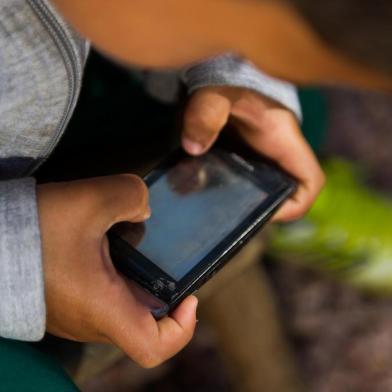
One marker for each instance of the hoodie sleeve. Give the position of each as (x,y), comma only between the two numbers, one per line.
(225,70)
(231,70)
(22,301)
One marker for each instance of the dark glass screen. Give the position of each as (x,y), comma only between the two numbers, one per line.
(195,205)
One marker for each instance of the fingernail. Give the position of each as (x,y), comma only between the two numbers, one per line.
(192,147)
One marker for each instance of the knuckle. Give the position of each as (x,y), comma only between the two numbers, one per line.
(296,214)
(133,185)
(299,213)
(131,193)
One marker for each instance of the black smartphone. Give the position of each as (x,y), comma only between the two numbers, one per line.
(203,210)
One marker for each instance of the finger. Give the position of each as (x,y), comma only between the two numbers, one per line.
(206,114)
(176,330)
(280,139)
(293,208)
(148,342)
(122,198)
(129,324)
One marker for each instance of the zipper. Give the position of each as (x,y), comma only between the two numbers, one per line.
(70,60)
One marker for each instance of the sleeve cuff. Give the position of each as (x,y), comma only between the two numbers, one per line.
(22,299)
(230,70)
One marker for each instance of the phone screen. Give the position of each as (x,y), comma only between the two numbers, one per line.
(195,205)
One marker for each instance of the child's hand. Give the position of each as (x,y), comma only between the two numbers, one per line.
(86,299)
(266,126)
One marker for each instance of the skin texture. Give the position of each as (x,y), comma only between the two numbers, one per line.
(86,299)
(269,128)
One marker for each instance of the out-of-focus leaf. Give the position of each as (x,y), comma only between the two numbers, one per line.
(348,232)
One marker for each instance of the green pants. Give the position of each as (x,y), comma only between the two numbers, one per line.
(25,369)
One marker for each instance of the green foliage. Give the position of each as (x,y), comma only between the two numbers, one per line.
(347,233)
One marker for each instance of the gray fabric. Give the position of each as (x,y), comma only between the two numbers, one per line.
(41,67)
(225,70)
(231,70)
(22,306)
(35,83)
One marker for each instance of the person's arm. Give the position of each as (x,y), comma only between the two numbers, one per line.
(266,113)
(69,256)
(233,71)
(22,302)
(224,70)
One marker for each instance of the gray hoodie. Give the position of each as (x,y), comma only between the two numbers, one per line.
(41,69)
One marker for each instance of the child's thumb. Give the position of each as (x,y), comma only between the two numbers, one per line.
(123,198)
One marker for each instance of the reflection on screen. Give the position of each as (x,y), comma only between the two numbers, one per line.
(195,205)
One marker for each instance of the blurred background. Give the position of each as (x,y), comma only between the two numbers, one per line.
(327,278)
